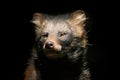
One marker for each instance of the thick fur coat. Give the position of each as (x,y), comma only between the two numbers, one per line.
(59,52)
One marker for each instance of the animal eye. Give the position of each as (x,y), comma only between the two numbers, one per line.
(62,34)
(45,34)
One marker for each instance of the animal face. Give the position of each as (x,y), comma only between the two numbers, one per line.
(60,36)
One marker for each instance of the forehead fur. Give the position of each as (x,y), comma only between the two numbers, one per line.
(57,25)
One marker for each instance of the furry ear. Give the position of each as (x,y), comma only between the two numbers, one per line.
(78,17)
(37,19)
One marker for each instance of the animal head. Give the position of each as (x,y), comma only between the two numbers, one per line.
(58,35)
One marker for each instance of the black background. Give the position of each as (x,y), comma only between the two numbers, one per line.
(18,33)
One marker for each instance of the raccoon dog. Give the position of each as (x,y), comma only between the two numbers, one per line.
(59,52)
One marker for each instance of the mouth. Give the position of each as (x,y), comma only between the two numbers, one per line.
(53,54)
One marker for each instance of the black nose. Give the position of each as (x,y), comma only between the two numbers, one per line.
(49,45)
